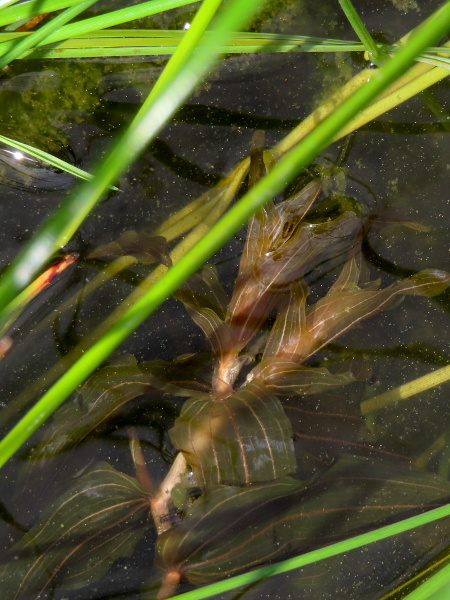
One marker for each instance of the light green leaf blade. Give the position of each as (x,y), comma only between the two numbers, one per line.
(48,158)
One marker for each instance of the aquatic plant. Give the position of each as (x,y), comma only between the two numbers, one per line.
(277,235)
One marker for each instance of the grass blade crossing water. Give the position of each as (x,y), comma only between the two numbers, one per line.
(187,68)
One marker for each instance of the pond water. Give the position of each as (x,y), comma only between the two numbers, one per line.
(394,167)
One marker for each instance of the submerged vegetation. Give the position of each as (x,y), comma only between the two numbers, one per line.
(274,452)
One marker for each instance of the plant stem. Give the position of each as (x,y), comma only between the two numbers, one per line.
(361,31)
(406,390)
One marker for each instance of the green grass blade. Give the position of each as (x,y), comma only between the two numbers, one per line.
(361,30)
(288,166)
(437,587)
(129,42)
(47,158)
(436,61)
(109,19)
(315,556)
(32,8)
(6,3)
(40,34)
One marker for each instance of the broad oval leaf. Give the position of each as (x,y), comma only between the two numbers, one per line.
(100,519)
(110,388)
(231,529)
(243,438)
(101,397)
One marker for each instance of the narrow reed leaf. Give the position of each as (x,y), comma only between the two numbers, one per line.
(361,30)
(47,158)
(300,156)
(406,390)
(5,3)
(436,61)
(40,34)
(159,42)
(433,588)
(109,19)
(32,8)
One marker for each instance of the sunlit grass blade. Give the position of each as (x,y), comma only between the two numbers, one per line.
(112,46)
(288,166)
(417,79)
(25,10)
(436,61)
(6,3)
(361,30)
(47,158)
(114,17)
(406,390)
(437,587)
(160,42)
(40,34)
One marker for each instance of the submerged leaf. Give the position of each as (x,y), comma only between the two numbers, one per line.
(243,438)
(232,529)
(100,519)
(101,397)
(105,393)
(145,248)
(206,302)
(280,249)
(286,377)
(299,333)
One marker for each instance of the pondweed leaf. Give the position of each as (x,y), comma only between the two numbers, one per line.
(280,248)
(100,519)
(301,331)
(100,399)
(104,394)
(145,248)
(206,303)
(286,377)
(231,529)
(243,438)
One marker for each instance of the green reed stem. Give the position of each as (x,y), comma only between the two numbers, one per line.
(47,158)
(26,10)
(406,390)
(432,589)
(361,31)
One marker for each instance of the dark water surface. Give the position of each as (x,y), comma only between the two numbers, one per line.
(397,165)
